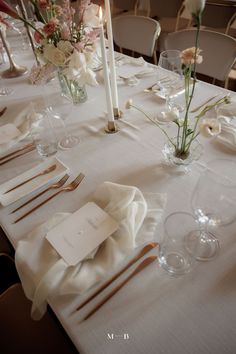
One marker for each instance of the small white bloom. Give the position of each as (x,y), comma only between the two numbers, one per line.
(78,69)
(210,127)
(171,116)
(195,7)
(90,17)
(129,103)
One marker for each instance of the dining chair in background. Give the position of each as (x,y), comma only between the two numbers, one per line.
(217,15)
(218,50)
(136,33)
(5,246)
(8,272)
(21,334)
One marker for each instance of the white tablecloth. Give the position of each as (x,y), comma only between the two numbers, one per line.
(154,313)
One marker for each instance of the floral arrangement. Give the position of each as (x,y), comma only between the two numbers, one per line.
(187,130)
(64,38)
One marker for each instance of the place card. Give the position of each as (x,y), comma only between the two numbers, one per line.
(79,234)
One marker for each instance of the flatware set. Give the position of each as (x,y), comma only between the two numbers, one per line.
(70,187)
(147,261)
(143,251)
(23,150)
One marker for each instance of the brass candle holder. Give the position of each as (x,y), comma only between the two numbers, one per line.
(117,113)
(14,70)
(111,127)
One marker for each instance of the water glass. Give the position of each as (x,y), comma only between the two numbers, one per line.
(43,134)
(174,256)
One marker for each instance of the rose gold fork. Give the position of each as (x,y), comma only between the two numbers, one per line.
(56,185)
(70,187)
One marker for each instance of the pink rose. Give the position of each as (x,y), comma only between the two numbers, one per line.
(49,28)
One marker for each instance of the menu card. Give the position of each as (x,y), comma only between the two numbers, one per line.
(80,233)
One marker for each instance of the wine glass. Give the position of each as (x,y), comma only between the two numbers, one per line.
(172,78)
(214,203)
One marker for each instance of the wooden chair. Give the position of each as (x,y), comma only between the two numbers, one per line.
(136,33)
(219,51)
(20,334)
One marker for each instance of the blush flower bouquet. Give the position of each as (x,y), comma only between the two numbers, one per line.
(189,129)
(65,38)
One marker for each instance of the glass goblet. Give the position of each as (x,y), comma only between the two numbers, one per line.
(214,203)
(172,77)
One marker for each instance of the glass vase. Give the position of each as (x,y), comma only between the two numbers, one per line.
(71,89)
(173,157)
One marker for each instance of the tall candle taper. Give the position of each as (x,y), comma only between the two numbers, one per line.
(112,60)
(111,124)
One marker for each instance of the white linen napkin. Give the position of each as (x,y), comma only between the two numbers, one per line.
(44,273)
(227,135)
(22,124)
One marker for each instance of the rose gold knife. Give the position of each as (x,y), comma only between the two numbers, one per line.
(143,251)
(138,269)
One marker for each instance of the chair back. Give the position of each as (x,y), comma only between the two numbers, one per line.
(218,50)
(169,8)
(136,33)
(217,15)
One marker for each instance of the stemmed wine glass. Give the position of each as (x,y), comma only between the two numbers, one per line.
(172,77)
(214,203)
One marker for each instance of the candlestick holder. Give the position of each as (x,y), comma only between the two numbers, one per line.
(111,128)
(14,70)
(117,113)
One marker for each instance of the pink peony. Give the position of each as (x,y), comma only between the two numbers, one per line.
(49,28)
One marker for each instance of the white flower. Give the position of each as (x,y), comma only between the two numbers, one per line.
(78,69)
(171,116)
(195,7)
(210,127)
(129,103)
(90,17)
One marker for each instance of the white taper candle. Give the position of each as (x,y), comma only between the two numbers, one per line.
(106,72)
(114,92)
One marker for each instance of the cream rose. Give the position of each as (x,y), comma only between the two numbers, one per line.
(195,7)
(54,55)
(187,56)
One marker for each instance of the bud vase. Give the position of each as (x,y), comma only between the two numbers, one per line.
(71,89)
(173,157)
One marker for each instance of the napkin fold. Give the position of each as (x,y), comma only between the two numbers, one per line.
(44,273)
(21,123)
(227,135)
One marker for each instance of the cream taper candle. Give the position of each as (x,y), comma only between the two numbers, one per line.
(114,92)
(105,71)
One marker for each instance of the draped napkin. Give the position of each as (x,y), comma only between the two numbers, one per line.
(227,117)
(21,128)
(44,273)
